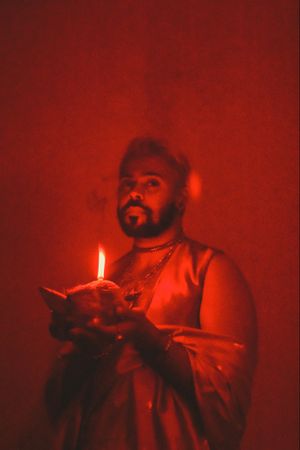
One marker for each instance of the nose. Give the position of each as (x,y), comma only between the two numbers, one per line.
(136,195)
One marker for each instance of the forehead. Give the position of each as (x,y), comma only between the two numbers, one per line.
(149,165)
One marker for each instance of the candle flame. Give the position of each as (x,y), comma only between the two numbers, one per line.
(101,264)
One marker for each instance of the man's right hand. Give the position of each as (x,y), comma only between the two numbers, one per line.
(59,326)
(63,328)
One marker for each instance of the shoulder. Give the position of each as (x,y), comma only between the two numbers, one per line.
(199,254)
(223,269)
(197,248)
(219,263)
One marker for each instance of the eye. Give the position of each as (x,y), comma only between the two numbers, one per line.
(152,183)
(126,184)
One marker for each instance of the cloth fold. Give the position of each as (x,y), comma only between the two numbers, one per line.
(222,372)
(123,403)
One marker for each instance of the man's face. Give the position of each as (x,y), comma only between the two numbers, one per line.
(147,197)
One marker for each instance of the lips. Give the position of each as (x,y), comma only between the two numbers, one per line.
(133,210)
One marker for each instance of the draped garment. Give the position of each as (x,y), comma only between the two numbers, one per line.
(120,403)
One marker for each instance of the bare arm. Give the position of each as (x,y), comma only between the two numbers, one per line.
(227,306)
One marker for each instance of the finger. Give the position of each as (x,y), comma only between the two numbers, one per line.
(117,331)
(80,333)
(127,313)
(96,326)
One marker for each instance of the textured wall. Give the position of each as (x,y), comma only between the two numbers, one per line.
(79,79)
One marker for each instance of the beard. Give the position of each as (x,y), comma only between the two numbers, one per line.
(149,228)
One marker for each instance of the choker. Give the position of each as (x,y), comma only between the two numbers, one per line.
(156,248)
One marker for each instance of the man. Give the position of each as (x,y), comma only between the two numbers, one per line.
(173,370)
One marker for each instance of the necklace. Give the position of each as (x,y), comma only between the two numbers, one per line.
(158,247)
(133,287)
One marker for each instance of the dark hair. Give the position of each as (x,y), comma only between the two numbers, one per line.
(148,146)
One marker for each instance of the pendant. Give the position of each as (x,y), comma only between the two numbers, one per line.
(132,295)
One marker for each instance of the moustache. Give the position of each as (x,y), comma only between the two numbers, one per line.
(135,203)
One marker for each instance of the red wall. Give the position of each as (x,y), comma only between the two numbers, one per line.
(79,79)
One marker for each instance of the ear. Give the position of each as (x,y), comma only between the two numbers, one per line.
(181,200)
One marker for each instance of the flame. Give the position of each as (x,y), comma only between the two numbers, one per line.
(101,264)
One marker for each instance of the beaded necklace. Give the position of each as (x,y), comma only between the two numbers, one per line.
(132,286)
(158,247)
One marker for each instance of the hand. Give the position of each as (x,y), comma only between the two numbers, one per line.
(63,328)
(60,326)
(94,336)
(132,326)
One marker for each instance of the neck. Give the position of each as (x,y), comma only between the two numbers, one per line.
(168,235)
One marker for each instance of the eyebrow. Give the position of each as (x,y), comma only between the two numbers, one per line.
(146,174)
(153,174)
